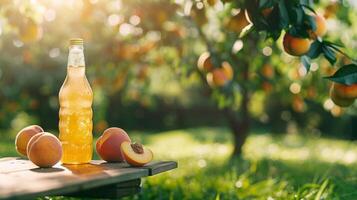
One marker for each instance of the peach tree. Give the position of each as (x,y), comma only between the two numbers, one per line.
(294,24)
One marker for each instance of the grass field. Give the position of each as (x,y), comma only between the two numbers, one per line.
(273,166)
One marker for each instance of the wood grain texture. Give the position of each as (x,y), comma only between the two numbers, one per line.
(20,179)
(157,167)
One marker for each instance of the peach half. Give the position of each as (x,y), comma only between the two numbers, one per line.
(24,136)
(135,154)
(108,145)
(44,149)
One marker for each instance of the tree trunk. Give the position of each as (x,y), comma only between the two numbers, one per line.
(240,126)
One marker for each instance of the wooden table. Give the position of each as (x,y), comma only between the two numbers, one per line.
(20,179)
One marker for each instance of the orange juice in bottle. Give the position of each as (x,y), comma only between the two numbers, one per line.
(75,114)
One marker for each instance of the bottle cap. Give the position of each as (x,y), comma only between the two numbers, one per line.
(76,41)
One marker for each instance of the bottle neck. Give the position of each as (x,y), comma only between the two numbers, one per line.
(76,56)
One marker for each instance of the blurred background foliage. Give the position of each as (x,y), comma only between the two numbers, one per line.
(141,59)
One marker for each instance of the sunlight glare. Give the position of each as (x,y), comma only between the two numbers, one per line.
(134,20)
(125,29)
(295,88)
(267,51)
(314,66)
(328,104)
(237,46)
(302,70)
(114,20)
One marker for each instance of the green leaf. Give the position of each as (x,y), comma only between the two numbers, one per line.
(265,4)
(329,54)
(297,15)
(284,16)
(305,60)
(315,49)
(309,8)
(333,44)
(346,75)
(311,22)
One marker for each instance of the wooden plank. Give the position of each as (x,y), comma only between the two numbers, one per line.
(20,179)
(107,193)
(159,167)
(33,182)
(8,165)
(112,191)
(125,184)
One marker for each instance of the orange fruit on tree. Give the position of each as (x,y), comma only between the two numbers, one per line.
(343,95)
(219,77)
(321,27)
(204,62)
(239,21)
(296,46)
(346,91)
(227,70)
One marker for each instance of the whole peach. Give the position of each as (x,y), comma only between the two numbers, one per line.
(204,62)
(219,77)
(108,145)
(23,137)
(345,91)
(44,149)
(238,22)
(321,26)
(296,46)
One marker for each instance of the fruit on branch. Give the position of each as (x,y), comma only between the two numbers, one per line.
(217,78)
(346,91)
(23,137)
(136,154)
(343,95)
(340,101)
(296,46)
(227,70)
(239,21)
(204,62)
(321,27)
(44,149)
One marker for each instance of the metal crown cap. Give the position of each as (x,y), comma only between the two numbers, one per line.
(76,41)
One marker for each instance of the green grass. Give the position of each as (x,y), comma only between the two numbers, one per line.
(273,167)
